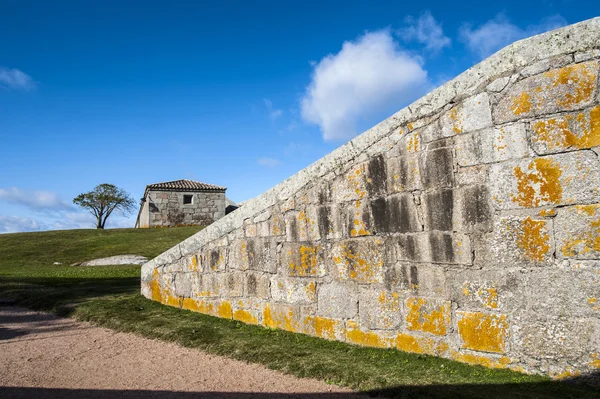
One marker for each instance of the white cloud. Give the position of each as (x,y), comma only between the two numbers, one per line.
(273,112)
(499,32)
(425,30)
(36,200)
(13,224)
(11,78)
(367,75)
(268,162)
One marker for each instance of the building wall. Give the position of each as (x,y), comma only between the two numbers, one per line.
(166,208)
(465,226)
(143,216)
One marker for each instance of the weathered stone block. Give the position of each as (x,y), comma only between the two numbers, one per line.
(578,232)
(258,254)
(376,177)
(295,226)
(573,131)
(293,290)
(428,315)
(246,316)
(472,114)
(323,327)
(233,284)
(379,309)
(492,145)
(567,339)
(516,241)
(214,259)
(338,300)
(395,214)
(433,247)
(351,186)
(358,219)
(423,279)
(330,222)
(404,174)
(276,225)
(257,285)
(575,292)
(552,180)
(488,290)
(302,260)
(282,316)
(183,284)
(359,336)
(360,259)
(563,89)
(437,168)
(472,209)
(483,332)
(438,209)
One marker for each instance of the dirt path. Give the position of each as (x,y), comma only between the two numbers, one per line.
(45,356)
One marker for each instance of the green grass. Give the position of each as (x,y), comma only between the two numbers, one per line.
(108,296)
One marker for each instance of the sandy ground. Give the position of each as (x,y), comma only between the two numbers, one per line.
(44,356)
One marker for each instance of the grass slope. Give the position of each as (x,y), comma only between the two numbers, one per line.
(108,296)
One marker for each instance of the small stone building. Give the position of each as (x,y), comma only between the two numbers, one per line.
(181,203)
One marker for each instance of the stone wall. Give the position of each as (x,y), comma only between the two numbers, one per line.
(166,208)
(467,225)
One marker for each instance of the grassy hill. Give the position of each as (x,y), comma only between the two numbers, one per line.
(29,276)
(109,296)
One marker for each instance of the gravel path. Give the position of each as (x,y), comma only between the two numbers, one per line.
(46,356)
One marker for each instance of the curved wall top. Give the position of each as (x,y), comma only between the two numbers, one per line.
(467,225)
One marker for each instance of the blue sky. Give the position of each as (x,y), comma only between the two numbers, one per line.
(240,94)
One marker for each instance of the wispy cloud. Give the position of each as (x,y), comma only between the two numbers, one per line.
(14,79)
(425,30)
(499,32)
(268,162)
(36,200)
(272,111)
(14,224)
(364,76)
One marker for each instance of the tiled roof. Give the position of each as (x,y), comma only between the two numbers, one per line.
(184,185)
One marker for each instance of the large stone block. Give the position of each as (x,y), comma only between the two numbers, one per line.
(338,300)
(564,89)
(395,214)
(572,131)
(404,174)
(282,316)
(296,226)
(357,219)
(578,232)
(561,179)
(433,247)
(483,332)
(359,259)
(295,291)
(516,241)
(575,292)
(257,285)
(379,309)
(232,284)
(303,260)
(492,145)
(437,168)
(438,208)
(472,114)
(350,186)
(259,254)
(428,315)
(488,290)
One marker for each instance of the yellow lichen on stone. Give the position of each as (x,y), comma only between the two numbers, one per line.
(587,240)
(323,327)
(356,336)
(357,265)
(427,317)
(456,122)
(283,320)
(224,310)
(581,76)
(539,184)
(308,262)
(412,144)
(245,316)
(521,104)
(560,132)
(421,345)
(595,363)
(484,361)
(533,239)
(483,332)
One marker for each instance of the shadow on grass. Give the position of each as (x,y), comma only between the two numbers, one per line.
(62,295)
(466,391)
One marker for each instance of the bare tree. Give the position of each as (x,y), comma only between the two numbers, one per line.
(103,200)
